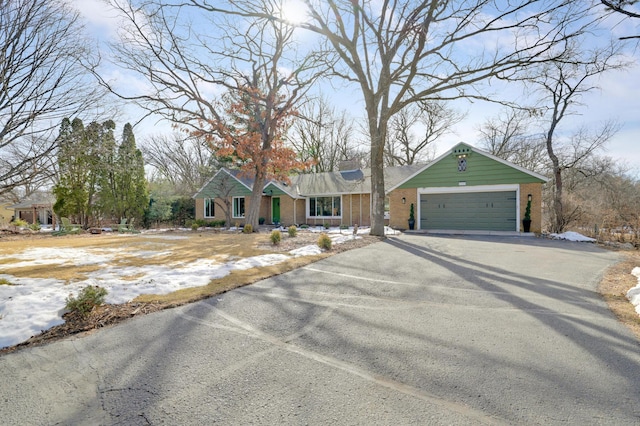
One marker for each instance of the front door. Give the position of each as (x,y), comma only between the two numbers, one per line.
(275,210)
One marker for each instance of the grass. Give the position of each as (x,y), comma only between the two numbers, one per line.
(4,281)
(134,251)
(614,286)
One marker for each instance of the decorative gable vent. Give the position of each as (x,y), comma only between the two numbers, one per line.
(461,152)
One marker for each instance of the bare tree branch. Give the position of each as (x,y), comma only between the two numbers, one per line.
(42,81)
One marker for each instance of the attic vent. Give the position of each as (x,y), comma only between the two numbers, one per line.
(461,152)
(349,165)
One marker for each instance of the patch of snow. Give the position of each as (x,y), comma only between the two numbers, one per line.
(32,305)
(572,236)
(634,293)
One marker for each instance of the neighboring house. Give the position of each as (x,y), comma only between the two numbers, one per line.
(464,189)
(6,212)
(36,209)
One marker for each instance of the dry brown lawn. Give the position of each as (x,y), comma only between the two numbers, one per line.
(172,247)
(191,246)
(614,286)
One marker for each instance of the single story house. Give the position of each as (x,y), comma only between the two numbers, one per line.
(464,189)
(35,209)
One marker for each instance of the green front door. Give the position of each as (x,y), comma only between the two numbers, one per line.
(275,210)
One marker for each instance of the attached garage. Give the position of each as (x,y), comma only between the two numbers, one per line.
(467,189)
(477,211)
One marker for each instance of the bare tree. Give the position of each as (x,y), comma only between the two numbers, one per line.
(627,8)
(431,120)
(188,68)
(185,162)
(624,7)
(562,84)
(400,52)
(510,136)
(323,136)
(43,81)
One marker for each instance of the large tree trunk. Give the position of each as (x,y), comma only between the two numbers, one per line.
(253,214)
(377,181)
(557,221)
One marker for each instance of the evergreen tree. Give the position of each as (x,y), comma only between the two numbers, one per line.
(72,191)
(131,196)
(97,179)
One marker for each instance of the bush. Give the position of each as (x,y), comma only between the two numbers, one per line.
(4,281)
(305,226)
(292,230)
(326,225)
(276,237)
(261,221)
(343,227)
(248,229)
(324,242)
(194,226)
(34,226)
(88,297)
(19,223)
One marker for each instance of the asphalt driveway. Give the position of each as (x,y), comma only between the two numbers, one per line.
(414,330)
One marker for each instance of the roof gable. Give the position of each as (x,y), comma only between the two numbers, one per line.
(278,188)
(482,168)
(225,183)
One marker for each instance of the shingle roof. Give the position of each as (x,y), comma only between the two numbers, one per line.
(348,182)
(40,200)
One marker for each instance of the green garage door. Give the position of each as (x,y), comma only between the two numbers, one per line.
(482,211)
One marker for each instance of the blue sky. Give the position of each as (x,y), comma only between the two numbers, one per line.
(618,97)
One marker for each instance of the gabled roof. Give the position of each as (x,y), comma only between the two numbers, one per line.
(463,147)
(36,200)
(234,174)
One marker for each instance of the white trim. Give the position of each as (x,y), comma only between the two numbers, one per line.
(204,207)
(308,207)
(469,189)
(214,176)
(477,188)
(473,149)
(233,207)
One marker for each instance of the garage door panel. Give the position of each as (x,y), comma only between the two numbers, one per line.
(469,211)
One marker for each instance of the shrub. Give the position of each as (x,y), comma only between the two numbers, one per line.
(4,281)
(326,225)
(305,226)
(276,237)
(19,223)
(343,227)
(292,230)
(34,226)
(261,221)
(247,228)
(88,297)
(194,226)
(324,242)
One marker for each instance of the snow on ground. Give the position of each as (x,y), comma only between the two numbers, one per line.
(31,305)
(572,236)
(634,294)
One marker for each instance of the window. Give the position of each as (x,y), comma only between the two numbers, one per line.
(462,164)
(325,206)
(387,208)
(209,208)
(238,206)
